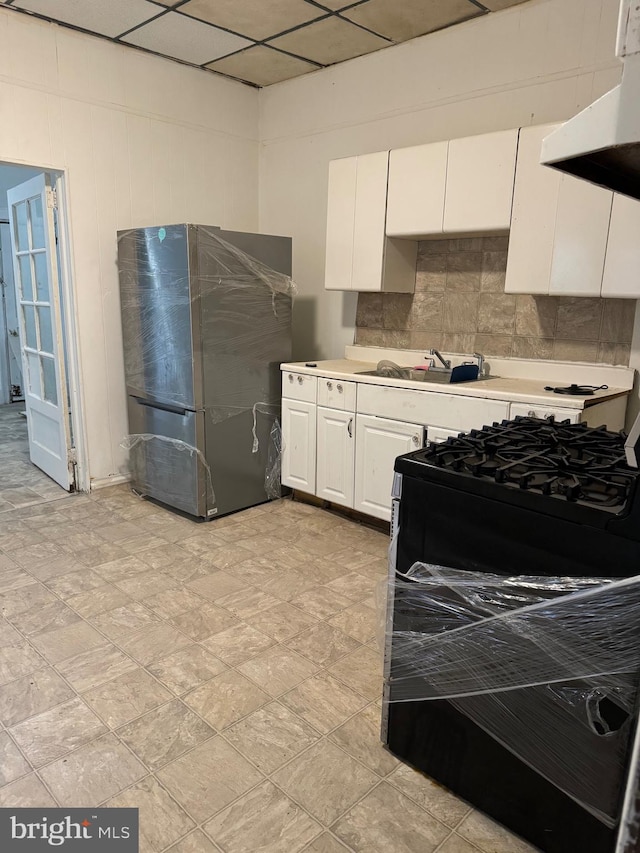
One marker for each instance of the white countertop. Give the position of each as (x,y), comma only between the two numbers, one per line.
(526,389)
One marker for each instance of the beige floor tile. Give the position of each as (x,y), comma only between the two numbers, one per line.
(75,583)
(172,602)
(373,824)
(229,555)
(217,584)
(358,621)
(18,659)
(121,569)
(46,617)
(32,695)
(238,644)
(126,697)
(139,543)
(124,621)
(146,584)
(323,644)
(31,556)
(350,559)
(49,570)
(321,602)
(286,584)
(326,570)
(271,736)
(318,544)
(278,670)
(154,643)
(55,732)
(326,843)
(353,585)
(95,667)
(164,734)
(491,837)
(361,670)
(28,792)
(103,598)
(324,702)
(325,781)
(93,773)
(204,620)
(282,621)
(161,820)
(226,699)
(164,556)
(118,532)
(246,603)
(97,555)
(66,642)
(431,796)
(264,819)
(209,778)
(13,578)
(196,842)
(456,844)
(13,765)
(187,668)
(25,597)
(360,737)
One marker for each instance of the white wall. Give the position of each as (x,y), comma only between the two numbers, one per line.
(535,63)
(142,141)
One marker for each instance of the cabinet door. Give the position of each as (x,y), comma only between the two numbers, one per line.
(299,445)
(415,197)
(369,221)
(341,207)
(378,443)
(580,238)
(622,262)
(535,201)
(335,456)
(480,177)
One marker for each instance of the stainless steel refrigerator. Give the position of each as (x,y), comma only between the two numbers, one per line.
(206,321)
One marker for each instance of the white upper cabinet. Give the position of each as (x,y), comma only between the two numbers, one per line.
(580,238)
(622,263)
(533,219)
(480,176)
(417,180)
(358,254)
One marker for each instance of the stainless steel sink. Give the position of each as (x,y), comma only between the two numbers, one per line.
(408,374)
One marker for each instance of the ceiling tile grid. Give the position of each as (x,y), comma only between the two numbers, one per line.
(259,41)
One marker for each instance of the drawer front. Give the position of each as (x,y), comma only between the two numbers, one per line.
(336,394)
(529,410)
(438,434)
(425,407)
(299,386)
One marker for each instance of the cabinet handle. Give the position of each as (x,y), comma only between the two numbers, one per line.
(340,389)
(416,439)
(350,427)
(300,380)
(330,386)
(531,414)
(291,377)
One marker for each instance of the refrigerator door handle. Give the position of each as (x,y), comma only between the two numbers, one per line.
(177,410)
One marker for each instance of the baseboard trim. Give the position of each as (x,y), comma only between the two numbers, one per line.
(115,480)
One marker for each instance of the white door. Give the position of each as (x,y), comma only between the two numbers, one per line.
(335,456)
(378,442)
(299,445)
(40,325)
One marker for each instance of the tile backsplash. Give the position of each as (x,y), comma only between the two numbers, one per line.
(459,305)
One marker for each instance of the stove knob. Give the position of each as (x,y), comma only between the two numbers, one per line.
(531,414)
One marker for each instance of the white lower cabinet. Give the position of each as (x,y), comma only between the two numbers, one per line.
(378,442)
(299,445)
(439,434)
(335,456)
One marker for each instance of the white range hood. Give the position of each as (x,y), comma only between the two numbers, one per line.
(602,143)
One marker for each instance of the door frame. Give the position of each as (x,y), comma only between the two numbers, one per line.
(70,321)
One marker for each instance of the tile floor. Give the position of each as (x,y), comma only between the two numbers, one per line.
(224,678)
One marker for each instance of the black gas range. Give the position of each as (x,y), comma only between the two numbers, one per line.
(511,519)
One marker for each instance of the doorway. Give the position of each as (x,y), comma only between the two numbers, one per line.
(40,422)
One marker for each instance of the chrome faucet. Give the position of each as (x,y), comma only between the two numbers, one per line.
(445,363)
(480,358)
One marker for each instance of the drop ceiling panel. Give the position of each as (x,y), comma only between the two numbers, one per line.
(330,40)
(254,18)
(109,18)
(410,18)
(185,38)
(262,65)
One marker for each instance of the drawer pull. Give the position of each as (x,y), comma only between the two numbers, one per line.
(340,389)
(350,427)
(330,386)
(291,377)
(300,380)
